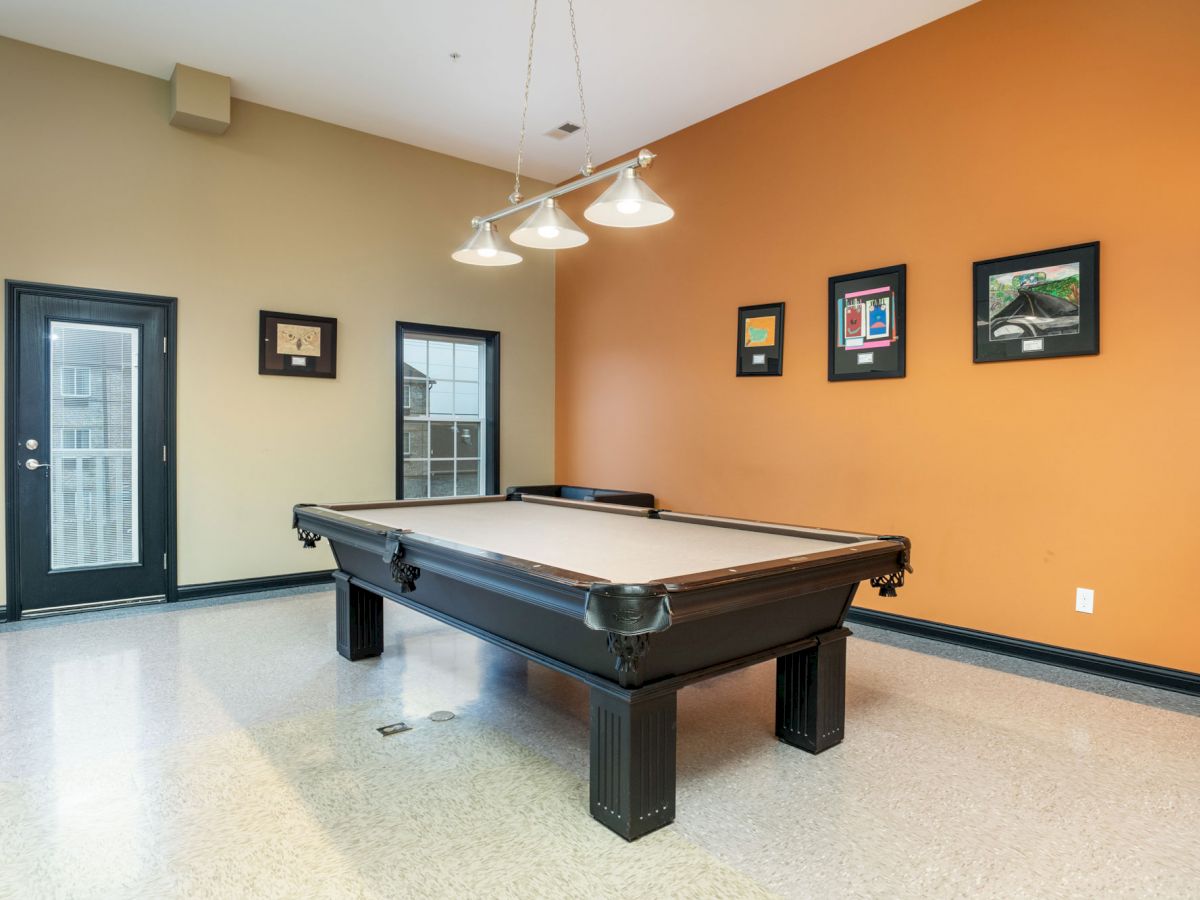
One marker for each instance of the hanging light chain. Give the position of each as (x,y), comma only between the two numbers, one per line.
(516,197)
(587,134)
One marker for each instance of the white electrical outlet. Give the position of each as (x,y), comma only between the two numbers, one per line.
(1084,600)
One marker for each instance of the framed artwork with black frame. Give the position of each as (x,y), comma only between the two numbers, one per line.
(1036,305)
(867,336)
(760,339)
(294,344)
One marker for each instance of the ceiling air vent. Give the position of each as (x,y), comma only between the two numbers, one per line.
(563,131)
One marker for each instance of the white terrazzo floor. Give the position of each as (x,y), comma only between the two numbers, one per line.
(228,751)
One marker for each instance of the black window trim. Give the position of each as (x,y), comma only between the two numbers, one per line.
(491,344)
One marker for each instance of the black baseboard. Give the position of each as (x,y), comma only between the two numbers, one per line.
(253,585)
(1094,663)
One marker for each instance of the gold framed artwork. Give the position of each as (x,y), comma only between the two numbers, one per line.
(294,344)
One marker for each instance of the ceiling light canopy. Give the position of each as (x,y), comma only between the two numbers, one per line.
(549,228)
(486,248)
(627,203)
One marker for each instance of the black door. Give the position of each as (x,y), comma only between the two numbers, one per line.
(90,483)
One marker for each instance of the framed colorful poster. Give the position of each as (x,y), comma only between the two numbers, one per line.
(1035,305)
(291,344)
(760,339)
(866,325)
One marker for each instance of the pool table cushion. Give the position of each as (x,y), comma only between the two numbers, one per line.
(623,545)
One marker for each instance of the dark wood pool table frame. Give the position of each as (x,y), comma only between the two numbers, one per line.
(634,645)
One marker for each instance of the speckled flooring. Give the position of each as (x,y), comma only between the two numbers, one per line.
(226,750)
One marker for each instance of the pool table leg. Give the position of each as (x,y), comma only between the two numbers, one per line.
(359,619)
(810,694)
(632,761)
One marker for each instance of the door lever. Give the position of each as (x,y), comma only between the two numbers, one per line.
(33,465)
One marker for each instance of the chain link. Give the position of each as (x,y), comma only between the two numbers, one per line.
(587,134)
(516,194)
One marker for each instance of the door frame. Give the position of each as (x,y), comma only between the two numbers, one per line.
(11,369)
(491,415)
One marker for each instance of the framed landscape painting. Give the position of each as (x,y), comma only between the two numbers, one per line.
(866,324)
(760,339)
(1035,305)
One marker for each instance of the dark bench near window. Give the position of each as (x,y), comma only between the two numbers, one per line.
(575,492)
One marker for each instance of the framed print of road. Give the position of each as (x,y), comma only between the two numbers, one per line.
(293,344)
(760,339)
(866,324)
(1035,305)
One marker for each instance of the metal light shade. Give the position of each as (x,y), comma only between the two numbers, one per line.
(486,248)
(628,203)
(549,228)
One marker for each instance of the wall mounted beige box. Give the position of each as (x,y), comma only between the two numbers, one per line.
(280,212)
(200,100)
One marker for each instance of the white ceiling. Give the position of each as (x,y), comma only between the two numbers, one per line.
(384,66)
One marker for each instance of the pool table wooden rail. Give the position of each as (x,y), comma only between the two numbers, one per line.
(612,606)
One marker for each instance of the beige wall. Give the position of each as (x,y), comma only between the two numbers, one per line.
(285,213)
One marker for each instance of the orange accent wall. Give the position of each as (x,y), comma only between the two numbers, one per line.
(1011,126)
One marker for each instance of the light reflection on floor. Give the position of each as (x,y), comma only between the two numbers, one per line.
(229,751)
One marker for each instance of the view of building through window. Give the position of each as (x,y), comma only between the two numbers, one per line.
(94,391)
(444,395)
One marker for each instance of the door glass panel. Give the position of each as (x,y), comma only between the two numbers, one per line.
(94,390)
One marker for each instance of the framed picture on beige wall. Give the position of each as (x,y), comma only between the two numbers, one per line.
(294,344)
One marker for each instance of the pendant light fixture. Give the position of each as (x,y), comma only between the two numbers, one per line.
(549,229)
(486,248)
(627,203)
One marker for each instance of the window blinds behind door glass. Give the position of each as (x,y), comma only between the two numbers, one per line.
(94,498)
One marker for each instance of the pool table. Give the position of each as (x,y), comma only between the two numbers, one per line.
(634,602)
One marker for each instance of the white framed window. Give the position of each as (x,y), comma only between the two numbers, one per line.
(75,382)
(76,439)
(449,415)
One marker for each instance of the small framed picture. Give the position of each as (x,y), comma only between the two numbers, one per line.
(1035,305)
(760,339)
(866,324)
(292,344)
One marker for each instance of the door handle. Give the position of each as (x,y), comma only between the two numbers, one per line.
(33,465)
